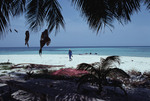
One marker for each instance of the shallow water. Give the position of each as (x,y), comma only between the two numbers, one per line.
(137,51)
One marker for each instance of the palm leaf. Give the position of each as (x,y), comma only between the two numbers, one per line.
(84,66)
(3,22)
(95,12)
(35,14)
(87,67)
(18,7)
(4,16)
(87,78)
(44,10)
(147,2)
(117,72)
(101,13)
(54,17)
(105,63)
(113,59)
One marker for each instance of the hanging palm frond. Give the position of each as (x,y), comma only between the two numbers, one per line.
(98,13)
(95,12)
(40,10)
(35,14)
(4,15)
(18,7)
(147,2)
(54,17)
(101,13)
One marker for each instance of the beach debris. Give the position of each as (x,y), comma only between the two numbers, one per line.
(29,74)
(27,38)
(138,90)
(70,72)
(31,65)
(60,89)
(44,71)
(5,65)
(44,40)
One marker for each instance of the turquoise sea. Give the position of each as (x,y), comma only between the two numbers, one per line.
(138,51)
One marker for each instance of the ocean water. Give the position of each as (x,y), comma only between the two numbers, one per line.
(137,51)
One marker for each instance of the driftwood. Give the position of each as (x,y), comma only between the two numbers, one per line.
(37,66)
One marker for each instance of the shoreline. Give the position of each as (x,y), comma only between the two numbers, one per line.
(77,54)
(141,64)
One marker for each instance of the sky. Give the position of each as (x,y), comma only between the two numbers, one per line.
(78,33)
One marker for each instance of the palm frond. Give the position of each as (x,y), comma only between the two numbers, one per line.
(35,14)
(95,12)
(123,9)
(4,15)
(84,66)
(54,17)
(87,78)
(117,72)
(87,67)
(105,63)
(98,75)
(101,13)
(18,7)
(3,23)
(44,10)
(147,2)
(113,59)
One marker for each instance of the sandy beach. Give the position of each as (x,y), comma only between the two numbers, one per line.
(59,90)
(127,63)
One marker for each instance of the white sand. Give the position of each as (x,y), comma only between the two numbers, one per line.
(127,63)
(139,63)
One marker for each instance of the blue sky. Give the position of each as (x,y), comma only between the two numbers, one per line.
(78,33)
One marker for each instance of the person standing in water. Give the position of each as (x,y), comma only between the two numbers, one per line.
(27,38)
(70,54)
